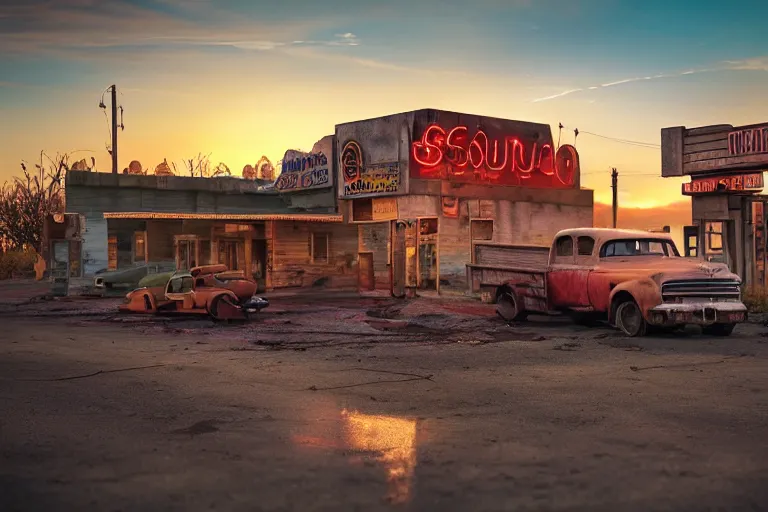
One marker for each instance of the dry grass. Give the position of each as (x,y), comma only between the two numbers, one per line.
(756,299)
(17,264)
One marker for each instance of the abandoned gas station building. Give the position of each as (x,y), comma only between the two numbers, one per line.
(726,165)
(284,235)
(433,191)
(398,204)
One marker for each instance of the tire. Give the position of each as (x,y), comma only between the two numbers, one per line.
(630,319)
(214,309)
(719,329)
(508,307)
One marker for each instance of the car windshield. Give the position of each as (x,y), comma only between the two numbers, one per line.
(182,284)
(639,247)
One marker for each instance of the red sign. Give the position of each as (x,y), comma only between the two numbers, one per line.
(461,155)
(718,184)
(748,142)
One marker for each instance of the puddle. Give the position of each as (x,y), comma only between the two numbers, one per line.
(388,441)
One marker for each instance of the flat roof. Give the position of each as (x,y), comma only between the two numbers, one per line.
(225,216)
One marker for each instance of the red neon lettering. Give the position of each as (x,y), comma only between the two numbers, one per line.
(477,158)
(547,166)
(460,156)
(485,156)
(428,152)
(525,172)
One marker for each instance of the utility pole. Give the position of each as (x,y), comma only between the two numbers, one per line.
(614,186)
(114,129)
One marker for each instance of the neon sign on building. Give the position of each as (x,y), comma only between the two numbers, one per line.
(456,154)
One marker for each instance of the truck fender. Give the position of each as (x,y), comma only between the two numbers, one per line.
(645,292)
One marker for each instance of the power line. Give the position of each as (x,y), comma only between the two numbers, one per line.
(636,143)
(593,173)
(625,141)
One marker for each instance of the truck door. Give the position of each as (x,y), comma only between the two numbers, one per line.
(585,248)
(563,277)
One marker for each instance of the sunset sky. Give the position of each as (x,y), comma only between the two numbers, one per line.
(239,78)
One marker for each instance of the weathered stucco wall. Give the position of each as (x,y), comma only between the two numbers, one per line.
(384,140)
(375,238)
(292,263)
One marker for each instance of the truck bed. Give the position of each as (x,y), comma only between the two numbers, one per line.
(496,264)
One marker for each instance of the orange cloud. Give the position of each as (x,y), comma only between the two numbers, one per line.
(674,214)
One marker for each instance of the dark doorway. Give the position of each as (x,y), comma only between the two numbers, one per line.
(365,269)
(259,264)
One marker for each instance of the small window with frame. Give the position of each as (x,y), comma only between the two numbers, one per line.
(482,230)
(139,246)
(585,245)
(362,210)
(714,237)
(319,244)
(564,247)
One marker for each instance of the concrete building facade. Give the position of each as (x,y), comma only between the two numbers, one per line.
(426,189)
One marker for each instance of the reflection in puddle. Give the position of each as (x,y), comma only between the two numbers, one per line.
(388,440)
(393,443)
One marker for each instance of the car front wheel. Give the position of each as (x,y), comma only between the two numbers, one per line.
(630,319)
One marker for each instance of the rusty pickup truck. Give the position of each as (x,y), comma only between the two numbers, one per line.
(632,279)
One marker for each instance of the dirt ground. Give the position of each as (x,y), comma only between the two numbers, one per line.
(348,403)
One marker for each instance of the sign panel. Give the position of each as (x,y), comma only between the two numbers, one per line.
(692,151)
(362,180)
(723,184)
(747,142)
(304,171)
(384,208)
(500,153)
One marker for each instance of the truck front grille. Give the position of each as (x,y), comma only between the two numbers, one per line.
(714,289)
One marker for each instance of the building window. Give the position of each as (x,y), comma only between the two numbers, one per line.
(482,230)
(714,235)
(564,246)
(112,253)
(585,245)
(362,210)
(319,247)
(139,246)
(428,226)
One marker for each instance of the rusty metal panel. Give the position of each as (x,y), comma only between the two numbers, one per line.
(95,254)
(710,207)
(511,256)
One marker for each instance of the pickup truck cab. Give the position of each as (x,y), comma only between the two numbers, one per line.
(632,279)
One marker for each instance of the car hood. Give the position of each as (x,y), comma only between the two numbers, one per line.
(665,269)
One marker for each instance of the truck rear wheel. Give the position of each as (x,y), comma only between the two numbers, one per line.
(509,307)
(630,319)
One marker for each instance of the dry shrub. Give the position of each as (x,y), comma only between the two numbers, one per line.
(17,264)
(756,299)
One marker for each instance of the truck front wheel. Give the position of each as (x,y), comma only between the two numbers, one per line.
(509,307)
(630,319)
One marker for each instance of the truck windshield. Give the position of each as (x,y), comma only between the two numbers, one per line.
(639,247)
